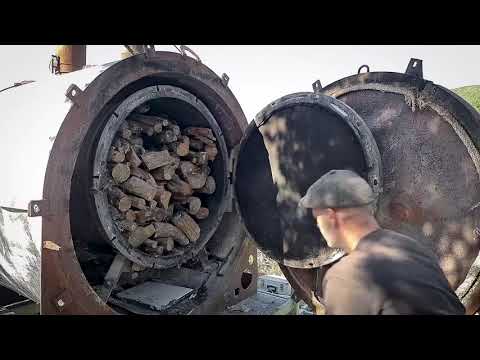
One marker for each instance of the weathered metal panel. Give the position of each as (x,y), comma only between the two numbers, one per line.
(31,117)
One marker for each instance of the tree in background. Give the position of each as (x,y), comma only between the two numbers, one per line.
(470,94)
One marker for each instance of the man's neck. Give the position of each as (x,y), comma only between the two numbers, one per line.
(356,232)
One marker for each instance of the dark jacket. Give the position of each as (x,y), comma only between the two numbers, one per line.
(389,273)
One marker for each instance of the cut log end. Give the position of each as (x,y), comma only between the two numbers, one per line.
(209,187)
(187,225)
(133,158)
(140,188)
(141,234)
(121,173)
(156,159)
(166,230)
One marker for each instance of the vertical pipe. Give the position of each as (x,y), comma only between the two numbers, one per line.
(72,57)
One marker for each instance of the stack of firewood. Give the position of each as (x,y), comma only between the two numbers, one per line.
(160,178)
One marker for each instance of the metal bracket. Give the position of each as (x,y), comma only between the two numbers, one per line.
(148,50)
(112,276)
(363,66)
(74,94)
(38,208)
(54,65)
(183,49)
(317,87)
(415,68)
(225,79)
(62,300)
(231,168)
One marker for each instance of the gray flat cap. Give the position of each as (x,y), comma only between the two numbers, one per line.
(338,189)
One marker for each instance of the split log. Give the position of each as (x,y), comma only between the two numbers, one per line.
(143,217)
(165,173)
(202,213)
(149,215)
(177,185)
(140,188)
(165,230)
(138,203)
(194,175)
(181,147)
(163,196)
(211,151)
(156,159)
(196,144)
(165,137)
(133,158)
(209,187)
(194,205)
(126,225)
(130,215)
(204,140)
(121,173)
(144,175)
(167,243)
(199,131)
(117,156)
(197,158)
(151,121)
(119,199)
(187,225)
(141,234)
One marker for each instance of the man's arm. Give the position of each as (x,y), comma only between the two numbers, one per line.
(348,297)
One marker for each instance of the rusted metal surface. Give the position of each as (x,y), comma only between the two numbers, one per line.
(188,111)
(65,289)
(293,142)
(28,132)
(428,139)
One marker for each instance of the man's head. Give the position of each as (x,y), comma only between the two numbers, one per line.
(342,204)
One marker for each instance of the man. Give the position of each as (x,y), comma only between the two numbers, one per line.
(384,272)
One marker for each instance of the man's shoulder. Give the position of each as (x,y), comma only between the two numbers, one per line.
(349,268)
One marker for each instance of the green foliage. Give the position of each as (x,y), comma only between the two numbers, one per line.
(471,94)
(267,266)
